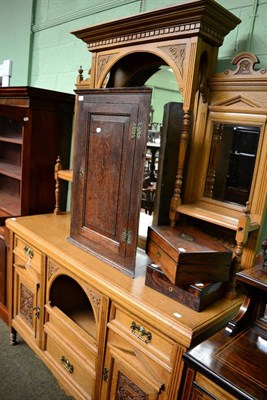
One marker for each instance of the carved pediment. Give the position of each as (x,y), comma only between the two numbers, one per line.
(238,102)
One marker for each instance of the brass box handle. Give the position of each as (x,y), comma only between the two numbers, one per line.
(140,332)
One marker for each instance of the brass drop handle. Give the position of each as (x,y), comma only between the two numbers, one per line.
(140,332)
(66,364)
(29,252)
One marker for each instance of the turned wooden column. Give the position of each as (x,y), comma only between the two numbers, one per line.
(215,151)
(176,199)
(58,167)
(241,239)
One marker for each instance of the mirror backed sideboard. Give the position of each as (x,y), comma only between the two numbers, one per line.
(78,292)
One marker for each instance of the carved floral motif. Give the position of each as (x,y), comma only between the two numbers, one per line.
(177,53)
(245,65)
(52,269)
(126,389)
(95,299)
(26,303)
(102,62)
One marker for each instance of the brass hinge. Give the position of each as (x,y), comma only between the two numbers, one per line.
(105,374)
(136,130)
(126,237)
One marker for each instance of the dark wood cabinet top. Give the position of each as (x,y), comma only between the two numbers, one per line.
(235,358)
(33,92)
(237,364)
(256,277)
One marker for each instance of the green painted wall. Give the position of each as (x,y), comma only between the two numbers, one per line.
(249,35)
(15,37)
(47,55)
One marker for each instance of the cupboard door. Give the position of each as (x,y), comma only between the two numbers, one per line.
(26,304)
(123,380)
(108,167)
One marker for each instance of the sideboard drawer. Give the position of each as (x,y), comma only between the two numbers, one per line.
(63,356)
(26,254)
(144,335)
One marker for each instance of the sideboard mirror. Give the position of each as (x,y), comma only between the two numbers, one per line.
(231,162)
(225,177)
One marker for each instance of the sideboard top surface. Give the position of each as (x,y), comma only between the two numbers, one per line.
(49,233)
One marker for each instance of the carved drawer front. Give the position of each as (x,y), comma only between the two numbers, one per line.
(67,360)
(149,338)
(28,257)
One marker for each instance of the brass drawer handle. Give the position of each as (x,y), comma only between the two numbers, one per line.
(29,252)
(140,332)
(66,364)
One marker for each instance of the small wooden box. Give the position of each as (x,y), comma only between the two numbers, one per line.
(186,255)
(194,296)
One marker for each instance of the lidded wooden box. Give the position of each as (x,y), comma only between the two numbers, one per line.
(196,295)
(186,255)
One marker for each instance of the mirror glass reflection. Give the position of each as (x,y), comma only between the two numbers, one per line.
(232,161)
(165,90)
